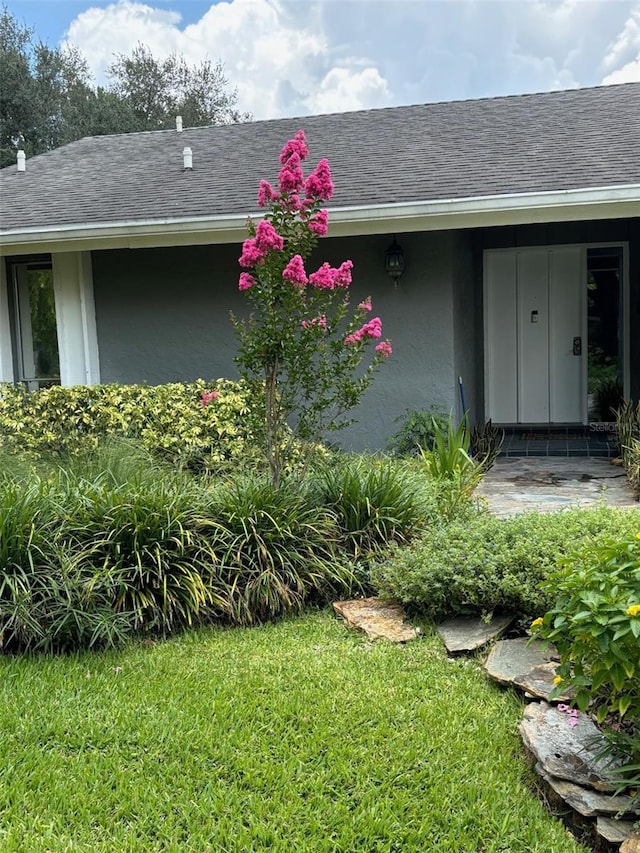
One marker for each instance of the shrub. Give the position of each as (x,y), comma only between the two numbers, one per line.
(449,463)
(483,563)
(48,600)
(169,420)
(142,541)
(595,625)
(375,501)
(274,550)
(418,429)
(486,443)
(628,430)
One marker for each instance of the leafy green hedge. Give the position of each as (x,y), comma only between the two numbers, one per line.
(485,563)
(168,419)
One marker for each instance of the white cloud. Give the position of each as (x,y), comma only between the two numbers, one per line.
(350,89)
(288,57)
(623,57)
(100,33)
(279,65)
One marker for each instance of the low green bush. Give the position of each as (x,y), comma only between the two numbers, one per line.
(88,559)
(376,501)
(274,551)
(595,625)
(417,429)
(449,464)
(49,599)
(169,420)
(142,541)
(482,563)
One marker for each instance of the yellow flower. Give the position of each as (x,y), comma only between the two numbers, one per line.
(536,622)
(634,610)
(637,535)
(558,680)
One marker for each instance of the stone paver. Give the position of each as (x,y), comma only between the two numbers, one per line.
(565,751)
(550,483)
(465,634)
(378,618)
(527,664)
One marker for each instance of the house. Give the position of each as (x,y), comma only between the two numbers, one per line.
(518,218)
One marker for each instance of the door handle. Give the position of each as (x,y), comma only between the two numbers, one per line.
(577,346)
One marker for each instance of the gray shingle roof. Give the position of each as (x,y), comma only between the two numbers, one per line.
(526,143)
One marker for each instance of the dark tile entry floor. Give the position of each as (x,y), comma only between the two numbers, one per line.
(545,440)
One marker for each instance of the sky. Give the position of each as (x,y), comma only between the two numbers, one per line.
(297,57)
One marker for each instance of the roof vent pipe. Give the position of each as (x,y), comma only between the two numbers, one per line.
(179,124)
(187,158)
(22,161)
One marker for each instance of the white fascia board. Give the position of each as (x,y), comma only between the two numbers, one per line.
(441,214)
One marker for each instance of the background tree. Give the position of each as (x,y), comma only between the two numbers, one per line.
(48,98)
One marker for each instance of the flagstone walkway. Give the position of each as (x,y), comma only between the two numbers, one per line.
(550,483)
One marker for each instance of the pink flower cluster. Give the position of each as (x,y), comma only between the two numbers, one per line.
(372,329)
(294,272)
(266,193)
(208,397)
(328,278)
(384,349)
(297,145)
(291,177)
(255,249)
(573,714)
(365,305)
(319,322)
(319,223)
(319,184)
(246,281)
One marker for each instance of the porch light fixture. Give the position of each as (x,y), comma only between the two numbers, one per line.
(394,261)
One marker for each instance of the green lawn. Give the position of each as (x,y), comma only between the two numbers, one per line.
(299,736)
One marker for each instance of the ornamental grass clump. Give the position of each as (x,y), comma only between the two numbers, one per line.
(275,551)
(376,502)
(299,339)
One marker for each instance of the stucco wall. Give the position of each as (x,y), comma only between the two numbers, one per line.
(163,315)
(467,308)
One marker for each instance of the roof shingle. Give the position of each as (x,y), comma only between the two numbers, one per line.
(573,139)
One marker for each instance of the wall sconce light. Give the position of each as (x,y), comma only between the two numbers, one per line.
(394,261)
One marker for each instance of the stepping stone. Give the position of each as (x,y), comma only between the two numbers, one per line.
(617,832)
(527,664)
(379,619)
(631,845)
(585,801)
(465,634)
(565,751)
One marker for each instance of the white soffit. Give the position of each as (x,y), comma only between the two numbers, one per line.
(485,211)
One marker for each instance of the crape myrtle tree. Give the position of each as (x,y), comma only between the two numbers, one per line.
(316,361)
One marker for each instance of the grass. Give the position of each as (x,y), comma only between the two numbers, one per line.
(297,736)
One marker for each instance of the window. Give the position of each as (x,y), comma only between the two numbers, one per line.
(33,322)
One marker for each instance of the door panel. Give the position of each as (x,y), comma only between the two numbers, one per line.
(502,377)
(566,390)
(535,313)
(533,337)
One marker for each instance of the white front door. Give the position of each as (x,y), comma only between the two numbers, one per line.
(535,335)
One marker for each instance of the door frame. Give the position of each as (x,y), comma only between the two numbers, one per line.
(626,313)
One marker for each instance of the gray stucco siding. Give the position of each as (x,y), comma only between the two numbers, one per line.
(163,315)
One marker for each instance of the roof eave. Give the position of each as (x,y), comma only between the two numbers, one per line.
(436,215)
